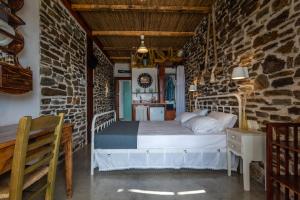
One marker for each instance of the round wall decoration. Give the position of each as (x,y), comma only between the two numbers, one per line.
(144,80)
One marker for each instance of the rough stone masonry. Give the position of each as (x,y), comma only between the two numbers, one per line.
(103,78)
(262,35)
(63,70)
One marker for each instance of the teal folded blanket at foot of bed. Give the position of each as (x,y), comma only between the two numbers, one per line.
(120,135)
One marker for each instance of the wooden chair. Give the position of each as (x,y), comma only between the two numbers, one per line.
(34,158)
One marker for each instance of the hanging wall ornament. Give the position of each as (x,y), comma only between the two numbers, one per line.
(212,76)
(202,79)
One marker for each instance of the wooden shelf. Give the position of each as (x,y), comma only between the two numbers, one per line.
(15,79)
(10,18)
(6,50)
(145,93)
(291,182)
(287,145)
(14,37)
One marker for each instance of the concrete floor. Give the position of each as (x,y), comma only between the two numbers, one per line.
(161,184)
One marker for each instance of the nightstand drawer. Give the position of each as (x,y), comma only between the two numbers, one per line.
(234,146)
(234,137)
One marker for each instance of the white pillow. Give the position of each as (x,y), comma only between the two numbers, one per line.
(189,123)
(203,125)
(226,120)
(202,112)
(183,117)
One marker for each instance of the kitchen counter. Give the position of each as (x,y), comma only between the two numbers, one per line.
(148,104)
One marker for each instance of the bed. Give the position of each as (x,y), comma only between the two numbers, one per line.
(159,145)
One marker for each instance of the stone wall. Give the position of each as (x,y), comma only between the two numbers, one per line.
(103,83)
(262,35)
(63,67)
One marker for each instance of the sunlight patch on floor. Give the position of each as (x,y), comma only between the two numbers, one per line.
(152,192)
(191,192)
(164,193)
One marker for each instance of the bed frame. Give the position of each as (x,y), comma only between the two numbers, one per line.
(229,103)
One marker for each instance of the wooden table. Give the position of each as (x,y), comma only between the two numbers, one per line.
(7,145)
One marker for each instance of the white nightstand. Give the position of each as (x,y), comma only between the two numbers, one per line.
(250,145)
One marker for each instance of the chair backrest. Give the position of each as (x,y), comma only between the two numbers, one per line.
(34,153)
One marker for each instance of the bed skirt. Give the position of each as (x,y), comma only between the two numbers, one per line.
(121,159)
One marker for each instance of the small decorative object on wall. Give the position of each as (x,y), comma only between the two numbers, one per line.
(212,76)
(145,80)
(124,71)
(202,81)
(106,89)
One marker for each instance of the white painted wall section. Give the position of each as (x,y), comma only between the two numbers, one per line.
(13,107)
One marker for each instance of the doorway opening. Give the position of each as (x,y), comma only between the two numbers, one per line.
(124,99)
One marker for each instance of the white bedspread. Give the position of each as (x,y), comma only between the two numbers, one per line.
(170,134)
(167,145)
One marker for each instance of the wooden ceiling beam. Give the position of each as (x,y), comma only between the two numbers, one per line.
(145,33)
(135,48)
(140,8)
(120,58)
(83,24)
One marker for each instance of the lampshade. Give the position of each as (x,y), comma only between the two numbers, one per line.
(193,88)
(142,48)
(240,73)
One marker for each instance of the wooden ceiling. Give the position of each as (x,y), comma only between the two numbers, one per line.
(119,23)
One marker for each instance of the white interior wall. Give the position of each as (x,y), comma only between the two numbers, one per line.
(121,66)
(12,107)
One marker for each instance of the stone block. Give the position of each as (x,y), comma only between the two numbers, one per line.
(52,92)
(272,64)
(264,39)
(294,110)
(281,82)
(276,21)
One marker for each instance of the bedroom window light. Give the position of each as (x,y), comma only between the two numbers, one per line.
(142,48)
(240,73)
(192,88)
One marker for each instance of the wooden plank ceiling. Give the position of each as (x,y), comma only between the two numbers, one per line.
(119,23)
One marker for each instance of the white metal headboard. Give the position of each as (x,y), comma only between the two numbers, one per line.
(222,103)
(96,127)
(100,127)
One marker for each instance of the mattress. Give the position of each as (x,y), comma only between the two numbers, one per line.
(170,134)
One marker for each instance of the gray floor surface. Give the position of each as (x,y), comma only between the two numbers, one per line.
(153,184)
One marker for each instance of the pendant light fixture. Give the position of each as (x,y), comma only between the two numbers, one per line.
(142,48)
